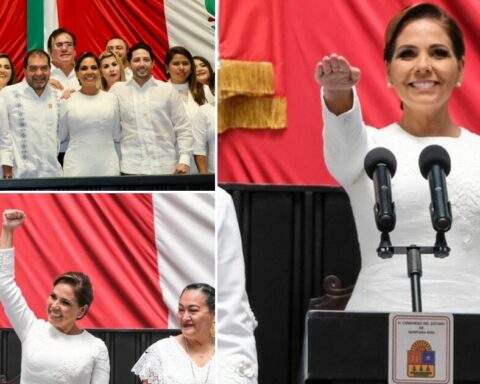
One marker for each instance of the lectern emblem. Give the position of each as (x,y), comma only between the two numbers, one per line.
(421,360)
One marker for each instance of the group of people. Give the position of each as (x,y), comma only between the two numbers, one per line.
(57,351)
(106,115)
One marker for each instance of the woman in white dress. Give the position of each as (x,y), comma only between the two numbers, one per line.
(111,69)
(91,121)
(424,56)
(55,351)
(8,75)
(188,358)
(205,76)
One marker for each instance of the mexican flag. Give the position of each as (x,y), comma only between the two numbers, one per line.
(26,24)
(139,250)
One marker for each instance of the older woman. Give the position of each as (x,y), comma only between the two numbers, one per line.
(55,351)
(8,76)
(111,69)
(205,76)
(189,357)
(91,121)
(424,56)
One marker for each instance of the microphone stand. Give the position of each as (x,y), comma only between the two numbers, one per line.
(414,261)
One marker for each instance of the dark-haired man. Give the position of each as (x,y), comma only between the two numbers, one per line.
(61,46)
(157,135)
(29,114)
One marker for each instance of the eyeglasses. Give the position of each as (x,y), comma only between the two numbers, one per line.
(61,44)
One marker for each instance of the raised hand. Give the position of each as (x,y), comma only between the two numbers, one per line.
(12,218)
(335,73)
(337,78)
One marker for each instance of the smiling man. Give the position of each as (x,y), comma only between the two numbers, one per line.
(157,135)
(29,121)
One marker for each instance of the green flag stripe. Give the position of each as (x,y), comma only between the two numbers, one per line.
(34,24)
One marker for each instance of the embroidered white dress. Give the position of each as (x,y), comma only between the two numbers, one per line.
(204,134)
(449,284)
(48,355)
(166,362)
(93,125)
(29,131)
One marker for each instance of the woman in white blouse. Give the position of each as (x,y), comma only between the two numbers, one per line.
(188,358)
(55,351)
(91,121)
(204,134)
(205,76)
(8,75)
(111,69)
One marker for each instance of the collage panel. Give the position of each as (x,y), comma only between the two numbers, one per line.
(108,287)
(106,96)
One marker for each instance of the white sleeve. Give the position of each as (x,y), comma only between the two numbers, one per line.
(237,353)
(181,126)
(199,126)
(6,151)
(117,131)
(345,142)
(63,131)
(101,370)
(16,308)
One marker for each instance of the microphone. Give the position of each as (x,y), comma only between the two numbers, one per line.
(380,165)
(434,163)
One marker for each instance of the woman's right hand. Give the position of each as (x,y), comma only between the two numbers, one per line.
(334,73)
(337,77)
(13,218)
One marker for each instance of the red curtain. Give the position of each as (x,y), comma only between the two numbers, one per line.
(312,29)
(110,237)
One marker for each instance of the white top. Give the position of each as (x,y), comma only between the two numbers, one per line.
(128,74)
(447,285)
(166,362)
(68,82)
(191,109)
(208,94)
(48,355)
(29,131)
(204,133)
(236,353)
(154,125)
(93,125)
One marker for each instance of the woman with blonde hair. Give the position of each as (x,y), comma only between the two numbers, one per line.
(111,69)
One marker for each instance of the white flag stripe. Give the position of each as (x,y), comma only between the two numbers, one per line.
(50,19)
(185,240)
(188,26)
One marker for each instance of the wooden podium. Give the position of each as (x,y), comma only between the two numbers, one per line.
(352,347)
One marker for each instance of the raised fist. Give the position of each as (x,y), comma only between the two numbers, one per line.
(335,73)
(12,218)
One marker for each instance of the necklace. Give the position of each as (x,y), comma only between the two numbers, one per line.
(191,364)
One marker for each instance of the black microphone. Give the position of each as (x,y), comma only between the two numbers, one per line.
(434,163)
(380,165)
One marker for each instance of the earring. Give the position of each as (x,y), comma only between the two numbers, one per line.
(212,330)
(389,84)
(458,84)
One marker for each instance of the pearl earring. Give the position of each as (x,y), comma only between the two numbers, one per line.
(458,84)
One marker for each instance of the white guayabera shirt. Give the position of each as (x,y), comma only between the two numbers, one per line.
(156,131)
(29,131)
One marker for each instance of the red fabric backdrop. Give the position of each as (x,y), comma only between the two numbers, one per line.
(310,30)
(109,237)
(95,22)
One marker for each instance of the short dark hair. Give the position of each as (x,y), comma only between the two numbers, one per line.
(84,56)
(36,51)
(13,77)
(118,38)
(81,285)
(423,11)
(207,290)
(140,45)
(56,33)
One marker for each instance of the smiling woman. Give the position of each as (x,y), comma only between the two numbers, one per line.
(91,121)
(54,351)
(424,56)
(189,357)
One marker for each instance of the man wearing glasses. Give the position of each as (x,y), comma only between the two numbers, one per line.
(61,46)
(29,114)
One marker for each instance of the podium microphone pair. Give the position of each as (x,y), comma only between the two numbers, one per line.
(434,161)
